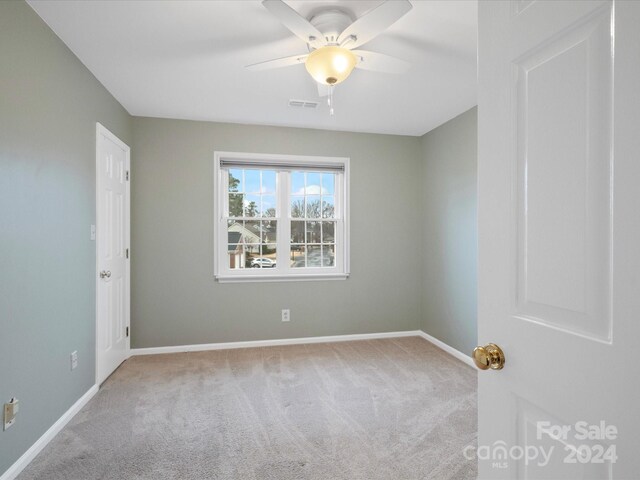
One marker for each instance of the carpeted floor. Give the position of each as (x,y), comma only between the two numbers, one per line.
(380,409)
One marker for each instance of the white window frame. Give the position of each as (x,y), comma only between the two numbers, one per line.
(282,271)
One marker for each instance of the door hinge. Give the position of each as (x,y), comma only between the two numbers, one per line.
(127,175)
(126,253)
(127,330)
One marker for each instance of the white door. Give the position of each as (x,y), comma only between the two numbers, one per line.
(559,238)
(112,265)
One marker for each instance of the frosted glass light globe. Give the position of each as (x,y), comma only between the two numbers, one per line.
(330,65)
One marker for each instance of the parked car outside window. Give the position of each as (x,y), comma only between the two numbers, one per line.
(263,263)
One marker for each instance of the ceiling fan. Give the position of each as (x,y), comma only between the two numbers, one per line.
(332,39)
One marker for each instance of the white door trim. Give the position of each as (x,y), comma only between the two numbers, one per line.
(101,130)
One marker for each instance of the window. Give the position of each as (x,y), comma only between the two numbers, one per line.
(280,217)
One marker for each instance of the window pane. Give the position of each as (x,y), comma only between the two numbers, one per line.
(234,226)
(313,206)
(298,256)
(235,204)
(236,258)
(268,181)
(269,252)
(251,235)
(235,180)
(314,254)
(313,232)
(297,183)
(297,207)
(297,231)
(268,206)
(268,231)
(328,232)
(252,181)
(264,258)
(328,183)
(235,244)
(300,260)
(252,205)
(328,256)
(328,206)
(313,183)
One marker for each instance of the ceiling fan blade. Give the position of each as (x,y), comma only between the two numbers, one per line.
(323,90)
(375,22)
(379,62)
(294,22)
(278,63)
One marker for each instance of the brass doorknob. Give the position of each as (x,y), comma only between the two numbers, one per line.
(488,357)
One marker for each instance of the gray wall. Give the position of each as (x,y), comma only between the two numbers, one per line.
(49,103)
(449,176)
(175,300)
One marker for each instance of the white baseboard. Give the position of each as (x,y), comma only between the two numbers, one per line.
(271,343)
(447,348)
(42,442)
(300,341)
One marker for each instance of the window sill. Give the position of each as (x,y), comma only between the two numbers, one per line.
(281,278)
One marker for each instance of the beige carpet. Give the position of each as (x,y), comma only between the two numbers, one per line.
(381,409)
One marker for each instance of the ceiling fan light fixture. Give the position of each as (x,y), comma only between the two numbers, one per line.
(330,65)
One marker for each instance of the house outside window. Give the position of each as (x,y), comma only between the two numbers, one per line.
(280,217)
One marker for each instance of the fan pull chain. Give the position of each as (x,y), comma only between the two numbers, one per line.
(330,99)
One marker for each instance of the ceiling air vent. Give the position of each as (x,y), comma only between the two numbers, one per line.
(303,104)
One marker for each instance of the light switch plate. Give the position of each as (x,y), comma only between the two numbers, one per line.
(93,232)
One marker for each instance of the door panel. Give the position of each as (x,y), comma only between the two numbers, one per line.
(565,160)
(548,464)
(558,200)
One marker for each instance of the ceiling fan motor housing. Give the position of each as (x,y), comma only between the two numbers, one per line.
(331,23)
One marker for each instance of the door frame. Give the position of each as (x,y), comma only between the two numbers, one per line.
(101,130)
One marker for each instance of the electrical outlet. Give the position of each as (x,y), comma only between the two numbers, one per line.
(286,315)
(74,359)
(10,411)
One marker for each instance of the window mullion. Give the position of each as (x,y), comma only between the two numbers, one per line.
(284,226)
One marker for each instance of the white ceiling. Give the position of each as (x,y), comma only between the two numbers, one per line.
(185,59)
